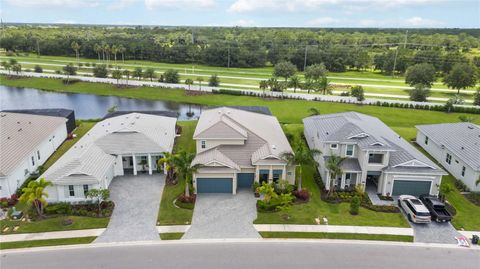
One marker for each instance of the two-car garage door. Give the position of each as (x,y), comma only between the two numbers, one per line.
(412,187)
(224,185)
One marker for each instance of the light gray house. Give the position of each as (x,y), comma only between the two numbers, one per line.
(456,146)
(376,157)
(129,143)
(237,147)
(26,142)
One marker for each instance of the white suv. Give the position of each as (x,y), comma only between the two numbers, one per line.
(416,211)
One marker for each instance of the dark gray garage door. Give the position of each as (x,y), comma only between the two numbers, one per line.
(245,180)
(411,187)
(214,185)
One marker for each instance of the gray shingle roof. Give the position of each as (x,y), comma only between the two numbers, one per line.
(369,133)
(462,139)
(20,134)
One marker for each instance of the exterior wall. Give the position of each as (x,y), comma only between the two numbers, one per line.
(13,181)
(211,143)
(118,166)
(387,183)
(455,168)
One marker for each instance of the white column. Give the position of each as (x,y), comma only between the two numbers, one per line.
(134,161)
(284,172)
(165,168)
(149,164)
(234,183)
(342,182)
(270,174)
(257,177)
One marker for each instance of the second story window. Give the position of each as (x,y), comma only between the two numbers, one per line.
(375,158)
(349,150)
(333,146)
(203,144)
(448,159)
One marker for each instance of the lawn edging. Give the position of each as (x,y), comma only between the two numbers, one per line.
(334,229)
(347,236)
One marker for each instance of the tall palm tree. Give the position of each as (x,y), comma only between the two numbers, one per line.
(97,48)
(301,156)
(76,48)
(107,50)
(114,50)
(200,80)
(334,168)
(34,194)
(295,83)
(127,74)
(189,82)
(184,168)
(121,50)
(324,85)
(168,161)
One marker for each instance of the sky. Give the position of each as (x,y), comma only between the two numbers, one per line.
(249,13)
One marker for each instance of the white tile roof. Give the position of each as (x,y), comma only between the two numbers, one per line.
(20,134)
(91,157)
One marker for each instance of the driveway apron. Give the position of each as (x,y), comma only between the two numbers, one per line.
(137,200)
(224,216)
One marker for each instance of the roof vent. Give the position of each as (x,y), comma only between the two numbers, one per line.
(18,122)
(463,148)
(274,147)
(20,129)
(470,127)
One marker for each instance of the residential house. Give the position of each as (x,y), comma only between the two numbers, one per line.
(456,146)
(26,142)
(238,146)
(376,157)
(127,143)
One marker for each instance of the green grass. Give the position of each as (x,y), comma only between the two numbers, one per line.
(48,242)
(376,237)
(80,131)
(54,224)
(171,236)
(169,214)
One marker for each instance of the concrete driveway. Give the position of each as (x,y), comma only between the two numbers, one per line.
(137,199)
(224,216)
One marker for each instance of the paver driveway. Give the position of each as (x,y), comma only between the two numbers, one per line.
(224,216)
(137,199)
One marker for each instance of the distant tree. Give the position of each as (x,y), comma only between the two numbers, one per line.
(294,83)
(213,81)
(13,62)
(117,74)
(263,85)
(316,72)
(69,70)
(476,98)
(460,77)
(200,80)
(76,47)
(358,92)
(423,73)
(171,76)
(137,73)
(6,65)
(17,68)
(127,74)
(284,69)
(38,69)
(419,93)
(324,86)
(98,49)
(122,50)
(100,71)
(114,50)
(149,73)
(189,82)
(308,85)
(451,59)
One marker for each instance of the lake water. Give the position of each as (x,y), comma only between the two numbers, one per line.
(87,106)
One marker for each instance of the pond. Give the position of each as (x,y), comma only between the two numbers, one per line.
(88,106)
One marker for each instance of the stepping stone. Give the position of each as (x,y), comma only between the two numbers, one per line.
(16,228)
(6,229)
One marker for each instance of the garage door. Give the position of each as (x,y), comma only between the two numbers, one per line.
(411,187)
(214,185)
(245,180)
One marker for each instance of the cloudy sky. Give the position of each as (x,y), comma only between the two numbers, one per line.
(290,13)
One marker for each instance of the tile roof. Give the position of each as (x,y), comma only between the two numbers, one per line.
(462,139)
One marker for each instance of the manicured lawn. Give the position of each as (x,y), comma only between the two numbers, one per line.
(376,237)
(81,130)
(169,214)
(54,224)
(49,242)
(171,236)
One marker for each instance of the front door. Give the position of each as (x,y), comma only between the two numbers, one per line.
(263,176)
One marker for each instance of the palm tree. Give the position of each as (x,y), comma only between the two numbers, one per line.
(6,66)
(308,85)
(295,83)
(97,48)
(114,50)
(200,80)
(76,48)
(117,74)
(121,50)
(34,194)
(313,111)
(126,73)
(324,85)
(302,156)
(263,85)
(184,168)
(189,82)
(334,167)
(168,161)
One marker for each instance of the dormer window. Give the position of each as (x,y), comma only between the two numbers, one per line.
(333,146)
(203,144)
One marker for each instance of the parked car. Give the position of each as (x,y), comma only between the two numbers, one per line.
(415,210)
(437,209)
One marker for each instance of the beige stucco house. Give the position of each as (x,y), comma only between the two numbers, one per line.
(237,146)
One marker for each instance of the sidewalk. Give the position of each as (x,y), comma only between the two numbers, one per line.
(333,229)
(51,235)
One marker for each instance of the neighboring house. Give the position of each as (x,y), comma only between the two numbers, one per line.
(129,143)
(26,142)
(377,158)
(54,112)
(456,146)
(238,146)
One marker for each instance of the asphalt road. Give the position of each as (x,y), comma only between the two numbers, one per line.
(263,254)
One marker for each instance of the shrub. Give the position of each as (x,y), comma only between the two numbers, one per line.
(302,195)
(100,71)
(70,81)
(358,92)
(213,81)
(263,206)
(171,76)
(461,186)
(38,69)
(420,93)
(186,199)
(354,205)
(283,187)
(60,208)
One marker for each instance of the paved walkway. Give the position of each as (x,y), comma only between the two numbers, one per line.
(51,235)
(333,229)
(137,200)
(372,194)
(224,216)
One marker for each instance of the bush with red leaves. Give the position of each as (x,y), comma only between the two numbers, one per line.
(302,195)
(187,199)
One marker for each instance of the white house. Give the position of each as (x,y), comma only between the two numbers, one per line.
(456,146)
(128,143)
(26,142)
(376,157)
(237,146)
